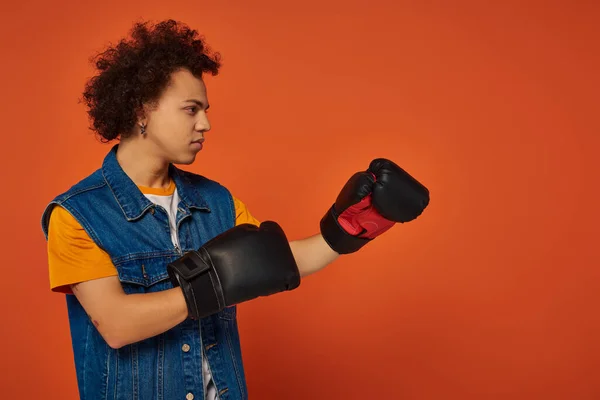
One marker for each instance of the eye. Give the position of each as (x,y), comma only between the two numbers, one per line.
(192,110)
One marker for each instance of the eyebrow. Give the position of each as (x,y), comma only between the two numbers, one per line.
(198,102)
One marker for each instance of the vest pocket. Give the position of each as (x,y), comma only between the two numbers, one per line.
(144,274)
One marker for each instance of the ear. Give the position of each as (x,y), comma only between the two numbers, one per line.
(144,112)
(140,121)
(140,116)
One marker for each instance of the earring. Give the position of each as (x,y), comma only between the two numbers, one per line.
(143,129)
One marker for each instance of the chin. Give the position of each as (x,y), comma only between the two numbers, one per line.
(185,160)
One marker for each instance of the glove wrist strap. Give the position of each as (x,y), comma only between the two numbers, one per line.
(199,284)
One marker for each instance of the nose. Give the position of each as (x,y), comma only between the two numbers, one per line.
(202,124)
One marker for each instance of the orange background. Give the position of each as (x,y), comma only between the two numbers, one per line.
(493,293)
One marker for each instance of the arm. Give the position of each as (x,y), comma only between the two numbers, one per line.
(122,319)
(312,254)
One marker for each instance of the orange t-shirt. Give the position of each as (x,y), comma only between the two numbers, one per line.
(74,257)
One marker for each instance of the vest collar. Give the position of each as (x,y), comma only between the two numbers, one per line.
(132,201)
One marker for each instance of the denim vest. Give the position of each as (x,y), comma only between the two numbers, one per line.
(135,234)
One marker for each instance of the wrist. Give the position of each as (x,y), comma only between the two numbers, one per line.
(181,304)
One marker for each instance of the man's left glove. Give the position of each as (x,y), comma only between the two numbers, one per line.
(370,203)
(238,265)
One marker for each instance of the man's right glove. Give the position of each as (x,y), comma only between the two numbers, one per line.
(238,265)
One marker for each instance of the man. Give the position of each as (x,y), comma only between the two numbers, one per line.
(154,259)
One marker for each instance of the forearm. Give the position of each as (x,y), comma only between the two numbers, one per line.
(123,319)
(141,316)
(312,254)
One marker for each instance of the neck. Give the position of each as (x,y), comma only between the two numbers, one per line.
(141,166)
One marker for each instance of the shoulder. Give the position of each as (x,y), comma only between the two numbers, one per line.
(62,224)
(90,183)
(60,216)
(243,214)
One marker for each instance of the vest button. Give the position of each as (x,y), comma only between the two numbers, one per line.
(185,348)
(189,396)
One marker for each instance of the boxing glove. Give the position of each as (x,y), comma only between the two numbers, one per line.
(238,265)
(370,203)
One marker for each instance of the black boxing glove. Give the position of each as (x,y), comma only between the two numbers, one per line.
(370,203)
(240,264)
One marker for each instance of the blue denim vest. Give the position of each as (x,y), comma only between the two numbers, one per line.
(135,234)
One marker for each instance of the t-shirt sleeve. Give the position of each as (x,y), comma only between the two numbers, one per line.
(73,256)
(242,215)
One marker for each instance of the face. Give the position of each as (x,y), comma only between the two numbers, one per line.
(176,125)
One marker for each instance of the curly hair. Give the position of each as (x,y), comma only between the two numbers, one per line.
(135,71)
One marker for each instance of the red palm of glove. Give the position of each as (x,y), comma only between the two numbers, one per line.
(362,220)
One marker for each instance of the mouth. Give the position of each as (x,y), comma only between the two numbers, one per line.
(196,145)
